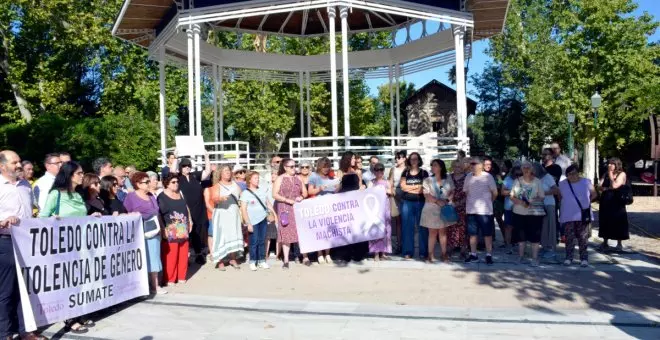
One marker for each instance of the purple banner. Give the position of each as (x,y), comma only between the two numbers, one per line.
(335,220)
(75,266)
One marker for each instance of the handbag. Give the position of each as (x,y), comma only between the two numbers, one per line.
(270,215)
(151,227)
(284,218)
(626,194)
(586,213)
(449,214)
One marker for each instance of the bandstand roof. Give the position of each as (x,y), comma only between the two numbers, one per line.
(141,21)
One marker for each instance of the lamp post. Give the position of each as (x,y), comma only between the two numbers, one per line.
(596,100)
(230,132)
(571,119)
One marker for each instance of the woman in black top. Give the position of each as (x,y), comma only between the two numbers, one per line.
(108,194)
(90,193)
(350,181)
(192,185)
(613,217)
(411,208)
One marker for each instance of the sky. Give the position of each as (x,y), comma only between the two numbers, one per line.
(479,58)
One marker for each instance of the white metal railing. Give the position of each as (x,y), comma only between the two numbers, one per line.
(232,153)
(429,146)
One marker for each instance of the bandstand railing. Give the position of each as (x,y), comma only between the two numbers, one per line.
(428,146)
(232,153)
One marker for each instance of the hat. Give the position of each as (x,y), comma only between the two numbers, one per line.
(238,168)
(184,163)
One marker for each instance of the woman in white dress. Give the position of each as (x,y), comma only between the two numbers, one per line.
(227,232)
(438,190)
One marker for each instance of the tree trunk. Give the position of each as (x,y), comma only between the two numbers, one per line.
(589,166)
(4,66)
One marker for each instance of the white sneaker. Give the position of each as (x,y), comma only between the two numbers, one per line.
(253,266)
(264,265)
(328,259)
(321,260)
(161,291)
(584,263)
(568,262)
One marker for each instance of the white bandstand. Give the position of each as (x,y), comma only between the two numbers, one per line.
(172,31)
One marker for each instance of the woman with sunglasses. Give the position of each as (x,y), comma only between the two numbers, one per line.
(108,194)
(395,206)
(91,188)
(287,191)
(411,208)
(527,196)
(383,246)
(177,224)
(142,201)
(65,201)
(192,184)
(226,221)
(305,172)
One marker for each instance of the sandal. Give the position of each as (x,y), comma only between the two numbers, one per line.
(87,323)
(81,329)
(234,264)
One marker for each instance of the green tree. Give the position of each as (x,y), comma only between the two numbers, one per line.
(559,52)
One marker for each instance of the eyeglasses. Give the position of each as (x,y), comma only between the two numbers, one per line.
(144,182)
(115,184)
(305,167)
(78,173)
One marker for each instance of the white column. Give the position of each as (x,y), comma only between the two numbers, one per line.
(333,78)
(161,102)
(397,72)
(309,108)
(214,72)
(221,103)
(198,84)
(461,103)
(191,84)
(302,104)
(343,13)
(391,90)
(221,97)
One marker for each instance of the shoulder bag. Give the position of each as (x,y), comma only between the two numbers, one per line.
(586,213)
(270,217)
(151,226)
(625,193)
(448,213)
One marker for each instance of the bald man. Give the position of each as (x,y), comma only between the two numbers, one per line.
(15,205)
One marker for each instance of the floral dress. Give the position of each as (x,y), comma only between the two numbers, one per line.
(290,188)
(456,234)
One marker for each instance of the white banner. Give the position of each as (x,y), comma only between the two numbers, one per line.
(76,266)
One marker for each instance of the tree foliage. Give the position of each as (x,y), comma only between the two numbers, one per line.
(560,52)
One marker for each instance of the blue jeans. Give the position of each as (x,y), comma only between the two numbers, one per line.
(411,213)
(257,241)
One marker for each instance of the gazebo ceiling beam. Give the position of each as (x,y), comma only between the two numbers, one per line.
(325,28)
(286,21)
(263,22)
(214,13)
(303,27)
(389,21)
(238,23)
(368,18)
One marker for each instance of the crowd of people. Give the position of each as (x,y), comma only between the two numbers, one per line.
(226,215)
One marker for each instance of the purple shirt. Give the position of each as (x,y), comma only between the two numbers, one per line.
(570,210)
(148,209)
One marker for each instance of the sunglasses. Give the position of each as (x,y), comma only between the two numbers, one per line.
(144,182)
(379,170)
(305,167)
(115,185)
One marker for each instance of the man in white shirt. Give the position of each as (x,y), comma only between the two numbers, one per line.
(560,159)
(481,191)
(52,163)
(369,175)
(15,205)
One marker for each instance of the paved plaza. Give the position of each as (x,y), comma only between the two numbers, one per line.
(617,299)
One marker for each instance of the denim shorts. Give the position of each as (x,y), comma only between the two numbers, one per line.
(484,223)
(210,229)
